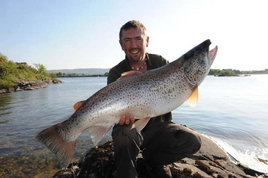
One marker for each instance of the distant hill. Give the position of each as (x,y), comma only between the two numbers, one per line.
(86,71)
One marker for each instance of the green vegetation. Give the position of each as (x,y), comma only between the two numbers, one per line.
(224,72)
(60,74)
(12,73)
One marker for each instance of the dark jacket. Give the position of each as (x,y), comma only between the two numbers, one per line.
(153,61)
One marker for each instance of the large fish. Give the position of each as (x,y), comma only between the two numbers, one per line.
(146,95)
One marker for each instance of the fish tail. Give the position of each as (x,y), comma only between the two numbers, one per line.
(55,142)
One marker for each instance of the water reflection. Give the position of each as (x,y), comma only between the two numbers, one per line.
(5,106)
(24,114)
(4,98)
(237,116)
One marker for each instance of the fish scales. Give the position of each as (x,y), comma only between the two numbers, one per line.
(153,93)
(148,95)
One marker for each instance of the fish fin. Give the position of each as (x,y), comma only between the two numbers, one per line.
(98,132)
(140,124)
(129,73)
(77,105)
(53,140)
(193,99)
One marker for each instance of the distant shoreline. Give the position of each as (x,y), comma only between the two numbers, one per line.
(74,76)
(215,72)
(231,72)
(215,75)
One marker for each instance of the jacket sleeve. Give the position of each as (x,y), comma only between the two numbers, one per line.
(113,76)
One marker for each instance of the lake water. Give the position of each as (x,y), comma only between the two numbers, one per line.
(233,111)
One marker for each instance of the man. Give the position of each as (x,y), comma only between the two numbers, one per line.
(161,142)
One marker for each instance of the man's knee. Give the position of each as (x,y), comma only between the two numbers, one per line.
(126,148)
(195,141)
(123,135)
(189,140)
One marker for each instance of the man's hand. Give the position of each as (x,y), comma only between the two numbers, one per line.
(126,119)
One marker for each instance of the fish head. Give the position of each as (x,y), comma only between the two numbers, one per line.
(197,62)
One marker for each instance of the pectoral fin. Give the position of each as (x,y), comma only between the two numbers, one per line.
(98,132)
(77,105)
(193,99)
(140,124)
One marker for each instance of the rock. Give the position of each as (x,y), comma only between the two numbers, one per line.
(11,89)
(56,81)
(33,85)
(209,161)
(3,91)
(68,172)
(17,88)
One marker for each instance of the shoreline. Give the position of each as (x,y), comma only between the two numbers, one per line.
(209,161)
(202,164)
(30,85)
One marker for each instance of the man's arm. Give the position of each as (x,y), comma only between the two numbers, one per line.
(112,76)
(125,119)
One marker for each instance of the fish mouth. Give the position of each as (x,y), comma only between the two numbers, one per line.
(212,54)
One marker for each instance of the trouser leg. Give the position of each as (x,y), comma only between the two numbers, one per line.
(126,148)
(168,142)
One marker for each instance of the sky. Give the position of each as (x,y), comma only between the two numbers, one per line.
(65,34)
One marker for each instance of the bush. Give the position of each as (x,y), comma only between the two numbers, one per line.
(6,84)
(12,73)
(224,72)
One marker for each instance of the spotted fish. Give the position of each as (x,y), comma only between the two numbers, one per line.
(146,95)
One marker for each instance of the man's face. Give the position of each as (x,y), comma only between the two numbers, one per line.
(134,44)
